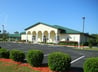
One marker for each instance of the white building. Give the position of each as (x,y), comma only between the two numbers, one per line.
(41,32)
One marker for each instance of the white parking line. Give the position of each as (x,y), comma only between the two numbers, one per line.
(71,61)
(77,59)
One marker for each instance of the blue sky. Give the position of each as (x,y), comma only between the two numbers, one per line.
(16,15)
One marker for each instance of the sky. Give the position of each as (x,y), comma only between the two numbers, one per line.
(16,15)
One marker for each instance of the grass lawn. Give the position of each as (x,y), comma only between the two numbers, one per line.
(10,67)
(94,48)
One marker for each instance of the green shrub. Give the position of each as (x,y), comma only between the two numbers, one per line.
(91,65)
(68,43)
(85,44)
(90,43)
(4,53)
(58,61)
(35,57)
(17,55)
(50,43)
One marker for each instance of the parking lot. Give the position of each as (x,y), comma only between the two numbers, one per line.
(78,56)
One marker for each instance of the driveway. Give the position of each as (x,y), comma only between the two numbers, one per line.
(78,56)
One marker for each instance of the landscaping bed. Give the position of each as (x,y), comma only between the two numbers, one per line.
(8,65)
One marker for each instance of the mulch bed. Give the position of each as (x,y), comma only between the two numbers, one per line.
(41,69)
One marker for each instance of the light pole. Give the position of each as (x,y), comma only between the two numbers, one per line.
(83,29)
(83,32)
(83,23)
(3,29)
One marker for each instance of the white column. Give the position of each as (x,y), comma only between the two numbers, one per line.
(36,37)
(79,40)
(32,37)
(26,37)
(42,36)
(56,38)
(48,37)
(78,44)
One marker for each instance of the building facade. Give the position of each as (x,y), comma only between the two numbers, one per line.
(14,37)
(41,32)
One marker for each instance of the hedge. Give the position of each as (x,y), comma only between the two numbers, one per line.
(35,57)
(4,53)
(17,55)
(68,43)
(91,65)
(58,61)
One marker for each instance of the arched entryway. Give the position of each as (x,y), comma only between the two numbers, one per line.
(52,36)
(28,33)
(39,36)
(33,36)
(45,37)
(28,36)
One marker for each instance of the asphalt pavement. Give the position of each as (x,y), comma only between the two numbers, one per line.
(78,56)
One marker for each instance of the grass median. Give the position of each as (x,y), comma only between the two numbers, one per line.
(94,48)
(11,67)
(87,48)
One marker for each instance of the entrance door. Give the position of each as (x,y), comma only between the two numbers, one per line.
(44,39)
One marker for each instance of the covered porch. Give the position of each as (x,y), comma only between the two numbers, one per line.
(42,36)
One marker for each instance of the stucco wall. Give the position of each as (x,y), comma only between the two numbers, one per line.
(41,28)
(23,36)
(72,37)
(29,37)
(62,37)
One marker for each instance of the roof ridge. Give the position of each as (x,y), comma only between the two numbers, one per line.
(39,23)
(67,28)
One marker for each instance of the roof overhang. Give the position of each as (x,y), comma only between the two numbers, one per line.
(38,24)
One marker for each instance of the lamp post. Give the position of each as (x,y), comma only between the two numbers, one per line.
(83,23)
(83,29)
(3,29)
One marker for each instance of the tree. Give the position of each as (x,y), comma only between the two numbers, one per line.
(95,39)
(4,35)
(90,43)
(16,32)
